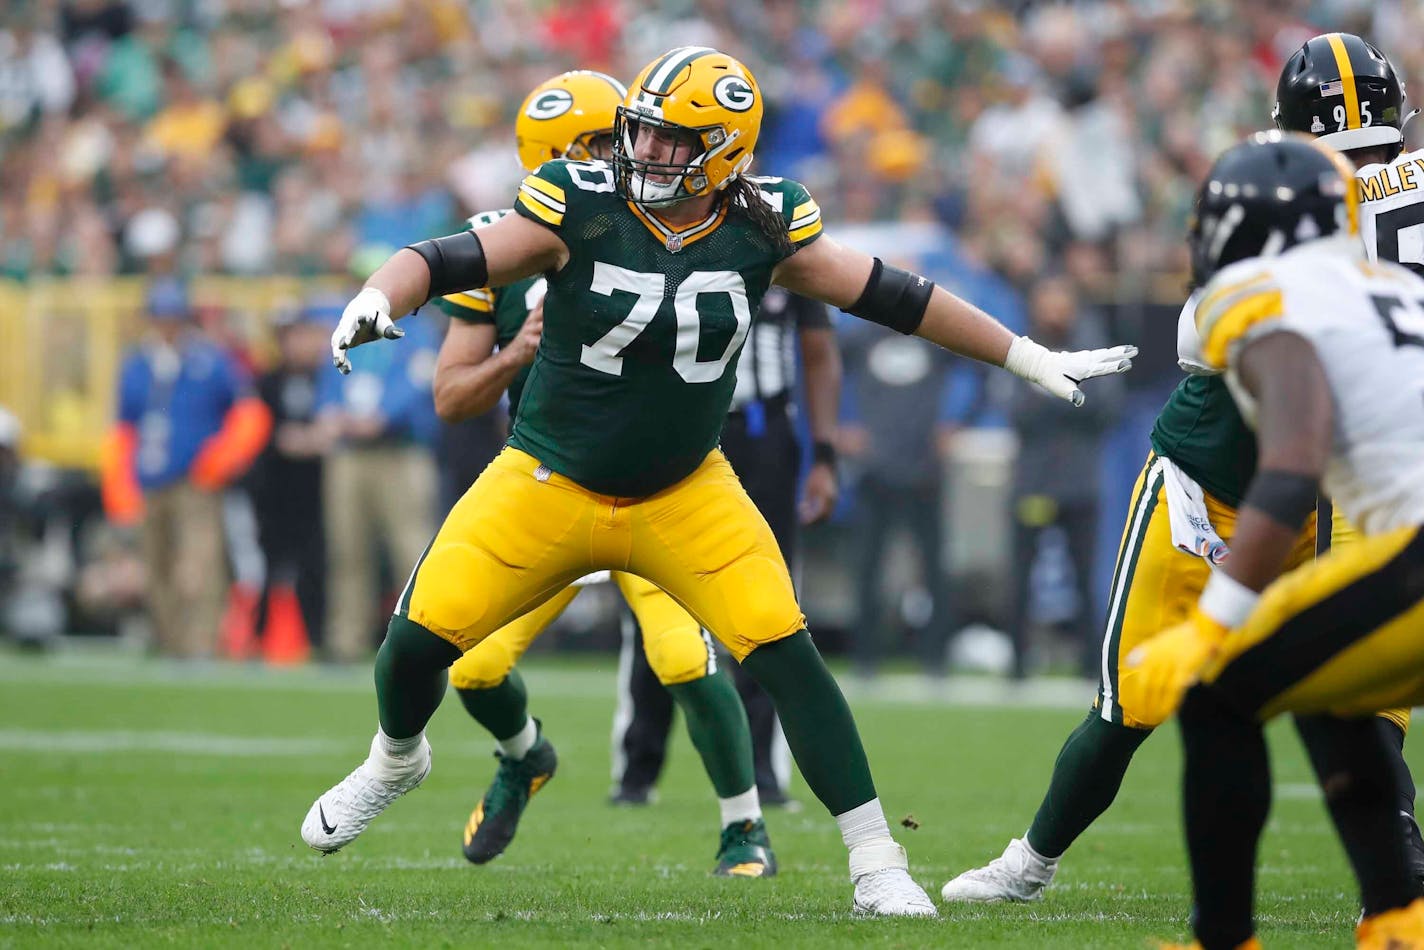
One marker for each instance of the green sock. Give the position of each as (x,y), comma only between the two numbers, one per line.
(1085,781)
(817,722)
(502,710)
(410,677)
(717,723)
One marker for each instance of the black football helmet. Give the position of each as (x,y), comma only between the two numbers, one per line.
(1271,192)
(1345,92)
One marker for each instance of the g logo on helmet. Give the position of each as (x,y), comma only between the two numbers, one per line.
(735,93)
(551,104)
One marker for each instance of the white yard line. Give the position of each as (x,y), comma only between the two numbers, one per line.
(104,671)
(49,741)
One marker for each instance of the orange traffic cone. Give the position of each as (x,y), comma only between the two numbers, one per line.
(284,639)
(238,632)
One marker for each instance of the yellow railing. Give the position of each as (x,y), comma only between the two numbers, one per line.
(61,342)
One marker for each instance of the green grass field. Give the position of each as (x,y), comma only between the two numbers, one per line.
(143,804)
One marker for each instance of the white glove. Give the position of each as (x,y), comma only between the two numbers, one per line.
(367,317)
(1060,373)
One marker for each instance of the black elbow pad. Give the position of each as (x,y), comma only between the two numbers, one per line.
(894,298)
(456,262)
(1287,498)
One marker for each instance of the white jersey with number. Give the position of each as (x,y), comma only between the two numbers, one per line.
(1366,323)
(1392,210)
(1391,227)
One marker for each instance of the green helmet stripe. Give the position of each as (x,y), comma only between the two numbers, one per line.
(668,68)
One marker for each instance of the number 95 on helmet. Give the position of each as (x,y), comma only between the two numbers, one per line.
(1344,91)
(704,107)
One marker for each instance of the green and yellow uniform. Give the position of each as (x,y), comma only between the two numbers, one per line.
(642,329)
(1155,585)
(612,462)
(676,649)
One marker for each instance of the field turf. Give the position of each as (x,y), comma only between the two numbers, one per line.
(143,804)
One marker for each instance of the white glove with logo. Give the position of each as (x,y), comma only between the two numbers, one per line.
(1060,373)
(367,317)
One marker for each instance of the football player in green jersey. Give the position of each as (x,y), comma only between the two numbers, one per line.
(1183,516)
(571,116)
(655,265)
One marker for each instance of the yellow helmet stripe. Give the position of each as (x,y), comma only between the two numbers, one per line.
(1347,79)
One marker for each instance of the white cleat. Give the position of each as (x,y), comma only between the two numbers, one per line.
(1017,875)
(891,892)
(883,885)
(339,816)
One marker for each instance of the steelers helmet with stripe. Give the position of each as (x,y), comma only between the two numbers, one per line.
(1271,192)
(565,116)
(1345,92)
(705,98)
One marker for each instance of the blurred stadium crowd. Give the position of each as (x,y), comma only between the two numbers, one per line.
(1039,158)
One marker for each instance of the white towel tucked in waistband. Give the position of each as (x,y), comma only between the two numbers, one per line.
(1191,526)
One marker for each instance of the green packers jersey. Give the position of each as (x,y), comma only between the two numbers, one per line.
(1202,431)
(642,327)
(506,308)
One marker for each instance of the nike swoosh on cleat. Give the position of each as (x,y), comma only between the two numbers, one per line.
(329,829)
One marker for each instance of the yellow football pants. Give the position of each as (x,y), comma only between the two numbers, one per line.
(521,534)
(1341,635)
(1342,535)
(1155,585)
(675,646)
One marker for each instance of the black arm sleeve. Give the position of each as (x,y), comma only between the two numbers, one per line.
(456,262)
(894,298)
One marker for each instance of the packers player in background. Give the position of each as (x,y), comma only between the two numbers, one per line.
(1323,352)
(571,116)
(655,265)
(1184,510)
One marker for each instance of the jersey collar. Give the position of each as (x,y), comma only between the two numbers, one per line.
(675,239)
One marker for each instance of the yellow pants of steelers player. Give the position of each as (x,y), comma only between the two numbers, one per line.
(522,534)
(677,650)
(1343,635)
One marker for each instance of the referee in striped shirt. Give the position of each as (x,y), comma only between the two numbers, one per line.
(759,440)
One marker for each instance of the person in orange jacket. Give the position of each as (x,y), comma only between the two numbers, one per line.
(188,424)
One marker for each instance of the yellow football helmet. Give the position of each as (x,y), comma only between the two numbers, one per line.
(708,104)
(564,116)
